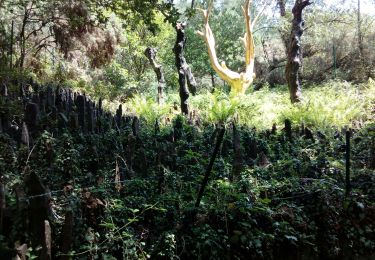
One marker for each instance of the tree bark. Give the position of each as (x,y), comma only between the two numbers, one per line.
(359,25)
(192,4)
(294,61)
(212,80)
(281,4)
(11,45)
(151,55)
(360,41)
(23,37)
(185,77)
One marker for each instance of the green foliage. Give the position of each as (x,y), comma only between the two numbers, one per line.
(288,201)
(115,75)
(148,109)
(267,211)
(131,54)
(129,72)
(217,107)
(327,32)
(332,104)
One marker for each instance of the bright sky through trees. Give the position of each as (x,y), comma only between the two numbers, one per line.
(367,6)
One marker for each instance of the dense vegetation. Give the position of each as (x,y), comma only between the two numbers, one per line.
(94,165)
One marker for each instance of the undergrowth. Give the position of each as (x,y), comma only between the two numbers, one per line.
(132,193)
(326,106)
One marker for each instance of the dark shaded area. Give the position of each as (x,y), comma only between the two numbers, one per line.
(130,181)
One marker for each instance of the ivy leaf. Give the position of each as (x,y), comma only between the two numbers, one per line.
(292,238)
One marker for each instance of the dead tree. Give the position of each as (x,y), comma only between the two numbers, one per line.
(239,82)
(186,79)
(151,55)
(294,59)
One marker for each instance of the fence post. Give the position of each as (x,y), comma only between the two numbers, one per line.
(347,163)
(334,60)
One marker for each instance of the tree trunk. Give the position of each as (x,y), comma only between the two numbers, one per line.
(366,69)
(294,61)
(281,4)
(23,38)
(185,77)
(212,80)
(283,31)
(359,24)
(151,55)
(192,4)
(11,45)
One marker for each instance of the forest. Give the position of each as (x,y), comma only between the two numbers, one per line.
(175,129)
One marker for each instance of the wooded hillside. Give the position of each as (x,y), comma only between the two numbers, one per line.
(187,129)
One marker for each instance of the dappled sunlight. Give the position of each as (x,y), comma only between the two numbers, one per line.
(330,105)
(124,135)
